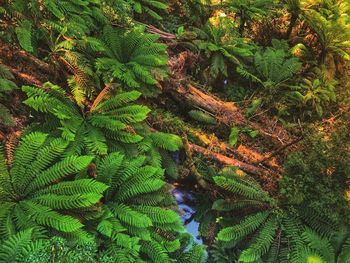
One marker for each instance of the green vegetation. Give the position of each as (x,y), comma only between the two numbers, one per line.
(109,109)
(7,86)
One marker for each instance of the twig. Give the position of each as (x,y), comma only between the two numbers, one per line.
(280,150)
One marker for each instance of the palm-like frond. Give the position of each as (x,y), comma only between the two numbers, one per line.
(269,226)
(128,211)
(34,191)
(333,34)
(274,68)
(89,131)
(18,247)
(222,48)
(133,58)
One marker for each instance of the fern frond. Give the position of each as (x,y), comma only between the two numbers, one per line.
(195,255)
(155,251)
(129,216)
(119,100)
(25,154)
(239,188)
(166,141)
(245,227)
(24,35)
(344,255)
(19,246)
(45,216)
(231,205)
(261,243)
(68,165)
(319,244)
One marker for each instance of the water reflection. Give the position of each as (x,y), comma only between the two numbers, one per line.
(186,203)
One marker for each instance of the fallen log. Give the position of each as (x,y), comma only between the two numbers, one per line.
(249,168)
(226,113)
(164,35)
(26,78)
(268,179)
(210,141)
(190,96)
(242,152)
(11,53)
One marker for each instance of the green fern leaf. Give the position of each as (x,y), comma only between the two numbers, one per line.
(247,226)
(24,35)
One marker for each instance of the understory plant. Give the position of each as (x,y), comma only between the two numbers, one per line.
(261,229)
(222,48)
(6,87)
(133,58)
(110,123)
(38,188)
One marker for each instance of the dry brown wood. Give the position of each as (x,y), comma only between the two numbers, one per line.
(226,112)
(278,151)
(249,168)
(267,177)
(25,78)
(245,153)
(22,54)
(163,35)
(189,95)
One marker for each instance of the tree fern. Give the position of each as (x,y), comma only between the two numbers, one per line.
(273,68)
(34,191)
(89,131)
(133,58)
(332,31)
(50,19)
(248,10)
(221,47)
(129,213)
(277,232)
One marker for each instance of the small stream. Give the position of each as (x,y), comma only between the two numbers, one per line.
(186,202)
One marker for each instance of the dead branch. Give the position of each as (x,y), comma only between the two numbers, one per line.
(269,179)
(275,153)
(25,78)
(163,35)
(242,152)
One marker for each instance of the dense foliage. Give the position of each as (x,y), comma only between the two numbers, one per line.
(106,106)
